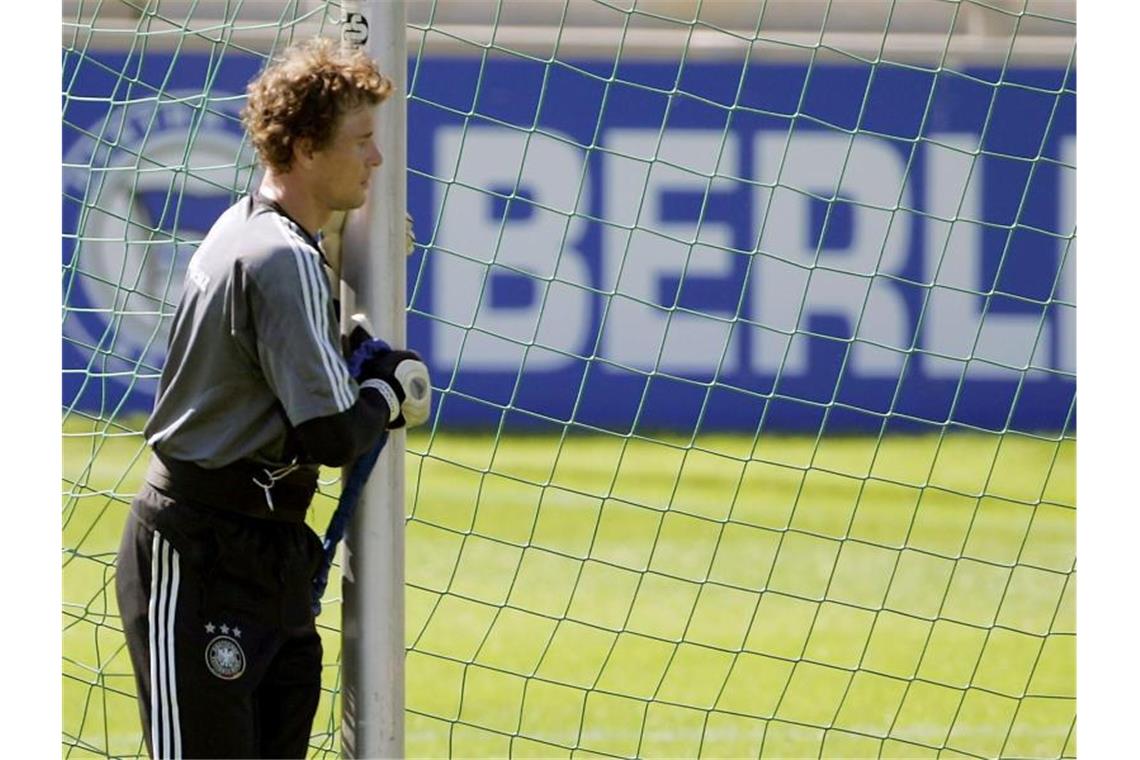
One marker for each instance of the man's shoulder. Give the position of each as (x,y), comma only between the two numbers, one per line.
(252,246)
(238,217)
(252,236)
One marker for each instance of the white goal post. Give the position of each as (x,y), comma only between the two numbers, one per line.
(373,282)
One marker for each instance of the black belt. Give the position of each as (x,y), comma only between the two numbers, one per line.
(242,487)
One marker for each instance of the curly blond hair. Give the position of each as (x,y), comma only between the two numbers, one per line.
(303,94)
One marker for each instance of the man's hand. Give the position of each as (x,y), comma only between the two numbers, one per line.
(409,234)
(332,238)
(400,377)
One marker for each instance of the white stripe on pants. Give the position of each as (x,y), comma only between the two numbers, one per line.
(165,731)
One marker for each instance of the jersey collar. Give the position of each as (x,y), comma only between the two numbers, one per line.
(261,201)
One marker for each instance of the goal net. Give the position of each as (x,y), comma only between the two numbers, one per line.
(751,327)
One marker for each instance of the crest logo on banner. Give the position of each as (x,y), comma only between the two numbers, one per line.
(142,185)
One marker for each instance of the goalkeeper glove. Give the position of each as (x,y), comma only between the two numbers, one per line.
(400,377)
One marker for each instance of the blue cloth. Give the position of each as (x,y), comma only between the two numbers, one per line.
(367,350)
(345,508)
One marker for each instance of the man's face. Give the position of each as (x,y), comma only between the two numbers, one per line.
(341,169)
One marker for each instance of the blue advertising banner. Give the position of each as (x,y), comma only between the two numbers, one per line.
(646,246)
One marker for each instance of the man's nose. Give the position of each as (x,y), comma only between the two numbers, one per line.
(374,157)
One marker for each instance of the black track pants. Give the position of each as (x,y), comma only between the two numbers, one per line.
(216,611)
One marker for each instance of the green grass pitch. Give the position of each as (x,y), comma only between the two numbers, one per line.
(912,596)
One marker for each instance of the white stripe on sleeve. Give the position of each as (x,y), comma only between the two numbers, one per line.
(317,318)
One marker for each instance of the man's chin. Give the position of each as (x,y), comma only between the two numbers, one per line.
(349,205)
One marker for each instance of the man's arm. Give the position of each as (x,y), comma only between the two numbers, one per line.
(299,353)
(297,336)
(338,412)
(339,438)
(390,389)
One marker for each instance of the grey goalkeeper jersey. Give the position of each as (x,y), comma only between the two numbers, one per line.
(254,348)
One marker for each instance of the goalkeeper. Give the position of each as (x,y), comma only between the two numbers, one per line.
(216,563)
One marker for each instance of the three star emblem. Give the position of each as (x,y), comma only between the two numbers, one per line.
(225,629)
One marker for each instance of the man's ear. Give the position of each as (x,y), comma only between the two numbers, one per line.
(303,150)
